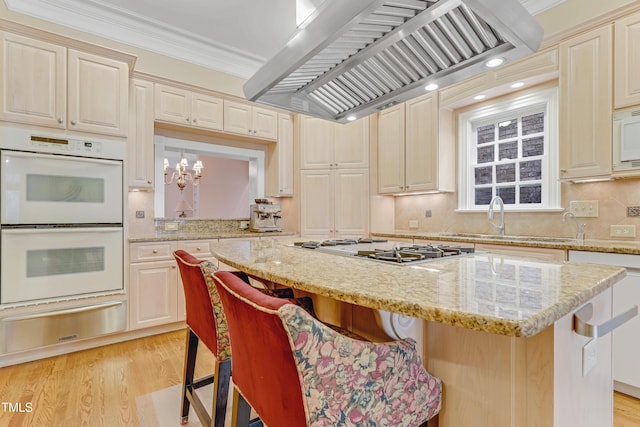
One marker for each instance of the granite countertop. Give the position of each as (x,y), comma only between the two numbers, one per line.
(500,294)
(611,246)
(168,235)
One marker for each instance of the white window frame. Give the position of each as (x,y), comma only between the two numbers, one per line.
(504,110)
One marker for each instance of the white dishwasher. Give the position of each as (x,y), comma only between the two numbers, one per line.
(626,338)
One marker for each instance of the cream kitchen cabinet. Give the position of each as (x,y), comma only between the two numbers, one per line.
(47,84)
(586,105)
(140,158)
(334,203)
(280,160)
(411,157)
(250,120)
(156,296)
(627,61)
(325,145)
(185,107)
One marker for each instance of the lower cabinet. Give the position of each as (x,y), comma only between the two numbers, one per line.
(156,296)
(547,254)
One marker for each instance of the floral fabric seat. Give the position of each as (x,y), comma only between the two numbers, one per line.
(324,379)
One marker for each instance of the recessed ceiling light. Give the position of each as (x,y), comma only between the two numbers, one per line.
(351,118)
(479,97)
(517,85)
(495,62)
(431,86)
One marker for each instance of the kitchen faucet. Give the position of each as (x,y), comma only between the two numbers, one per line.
(580,227)
(499,227)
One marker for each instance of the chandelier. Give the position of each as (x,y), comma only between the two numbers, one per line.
(180,174)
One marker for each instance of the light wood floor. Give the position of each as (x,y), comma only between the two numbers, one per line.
(99,387)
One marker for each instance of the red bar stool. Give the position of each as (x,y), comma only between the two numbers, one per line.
(322,378)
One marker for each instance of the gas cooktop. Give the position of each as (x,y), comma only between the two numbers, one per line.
(400,253)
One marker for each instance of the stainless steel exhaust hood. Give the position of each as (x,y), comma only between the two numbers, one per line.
(352,58)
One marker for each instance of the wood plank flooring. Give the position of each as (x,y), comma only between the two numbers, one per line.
(98,387)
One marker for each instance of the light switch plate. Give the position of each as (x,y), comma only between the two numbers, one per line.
(584,208)
(413,223)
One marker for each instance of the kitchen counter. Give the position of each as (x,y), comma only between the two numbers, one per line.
(165,236)
(502,295)
(611,246)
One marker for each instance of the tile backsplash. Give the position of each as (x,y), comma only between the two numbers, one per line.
(614,197)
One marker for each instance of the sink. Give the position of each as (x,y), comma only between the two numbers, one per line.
(508,237)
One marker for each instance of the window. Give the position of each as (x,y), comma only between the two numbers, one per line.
(510,149)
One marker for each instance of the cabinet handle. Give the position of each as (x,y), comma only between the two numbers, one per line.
(73,122)
(173,266)
(149,182)
(155,251)
(581,327)
(198,249)
(563,170)
(59,120)
(195,121)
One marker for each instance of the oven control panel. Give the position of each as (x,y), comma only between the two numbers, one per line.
(67,146)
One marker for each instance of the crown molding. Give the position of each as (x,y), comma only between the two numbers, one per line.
(140,31)
(536,6)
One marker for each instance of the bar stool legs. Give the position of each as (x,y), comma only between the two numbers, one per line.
(220,380)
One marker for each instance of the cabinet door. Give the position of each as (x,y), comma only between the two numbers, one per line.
(284,149)
(316,143)
(140,145)
(391,150)
(172,104)
(316,204)
(421,144)
(351,144)
(152,294)
(34,85)
(98,94)
(585,105)
(206,111)
(627,61)
(626,347)
(264,123)
(351,203)
(237,118)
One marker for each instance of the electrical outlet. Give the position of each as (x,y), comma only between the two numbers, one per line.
(170,226)
(589,356)
(244,225)
(139,214)
(427,213)
(622,231)
(413,223)
(584,208)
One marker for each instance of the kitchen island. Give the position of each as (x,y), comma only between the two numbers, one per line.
(498,329)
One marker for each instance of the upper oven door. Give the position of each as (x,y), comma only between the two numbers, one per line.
(57,189)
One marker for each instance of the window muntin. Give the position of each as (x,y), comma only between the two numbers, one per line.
(510,149)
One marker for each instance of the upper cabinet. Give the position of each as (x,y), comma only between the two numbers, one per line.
(586,105)
(627,61)
(47,84)
(140,158)
(250,120)
(325,144)
(411,155)
(280,160)
(185,107)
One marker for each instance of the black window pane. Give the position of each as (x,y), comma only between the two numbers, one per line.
(508,150)
(533,124)
(508,129)
(508,194)
(533,146)
(531,194)
(531,170)
(484,175)
(486,134)
(483,196)
(506,173)
(486,154)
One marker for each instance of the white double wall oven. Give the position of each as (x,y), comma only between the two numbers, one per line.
(61,238)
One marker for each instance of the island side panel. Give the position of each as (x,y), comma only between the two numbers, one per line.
(584,401)
(492,380)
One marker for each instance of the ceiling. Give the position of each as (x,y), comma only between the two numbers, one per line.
(232,36)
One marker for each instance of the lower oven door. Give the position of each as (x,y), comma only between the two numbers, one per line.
(40,264)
